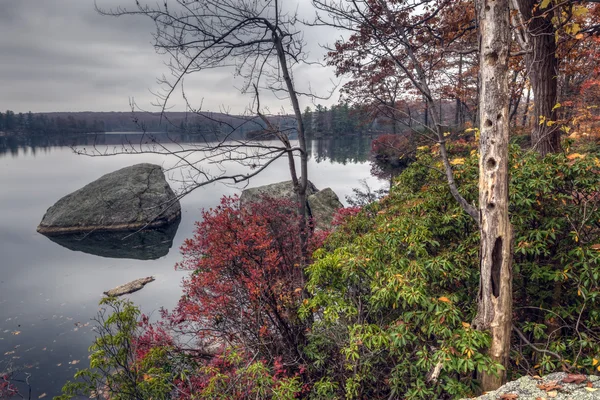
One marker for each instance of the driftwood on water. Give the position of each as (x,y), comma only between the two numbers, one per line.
(130,287)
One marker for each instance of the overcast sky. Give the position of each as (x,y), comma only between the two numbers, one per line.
(61,55)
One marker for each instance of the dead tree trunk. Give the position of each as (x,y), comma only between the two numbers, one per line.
(495,290)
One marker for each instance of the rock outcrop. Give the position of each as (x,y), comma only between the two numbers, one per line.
(132,198)
(322,204)
(557,386)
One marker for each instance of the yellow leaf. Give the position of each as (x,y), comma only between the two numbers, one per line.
(579,11)
(466,325)
(542,119)
(598,368)
(421,148)
(573,156)
(594,361)
(444,299)
(545,4)
(557,105)
(579,36)
(457,161)
(590,389)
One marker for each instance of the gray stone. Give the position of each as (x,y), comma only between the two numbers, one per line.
(135,197)
(130,287)
(280,190)
(527,388)
(323,206)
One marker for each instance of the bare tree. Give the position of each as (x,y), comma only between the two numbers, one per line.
(260,41)
(495,281)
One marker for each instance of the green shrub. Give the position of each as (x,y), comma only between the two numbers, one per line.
(394,290)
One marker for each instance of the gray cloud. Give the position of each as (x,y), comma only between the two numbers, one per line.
(61,55)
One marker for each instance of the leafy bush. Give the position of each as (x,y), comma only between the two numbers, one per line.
(394,289)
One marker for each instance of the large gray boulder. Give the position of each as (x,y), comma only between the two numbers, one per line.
(132,198)
(279,190)
(322,204)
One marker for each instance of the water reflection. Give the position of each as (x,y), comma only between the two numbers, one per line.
(343,150)
(137,245)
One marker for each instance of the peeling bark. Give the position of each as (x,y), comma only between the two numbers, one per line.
(495,290)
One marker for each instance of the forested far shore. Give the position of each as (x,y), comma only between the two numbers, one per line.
(320,121)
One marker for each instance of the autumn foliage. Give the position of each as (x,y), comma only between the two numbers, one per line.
(247,279)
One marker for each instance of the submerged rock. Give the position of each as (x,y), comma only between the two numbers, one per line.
(322,204)
(130,287)
(132,198)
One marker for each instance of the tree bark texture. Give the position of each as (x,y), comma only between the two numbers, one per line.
(542,68)
(495,290)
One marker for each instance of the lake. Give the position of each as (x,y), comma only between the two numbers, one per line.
(48,293)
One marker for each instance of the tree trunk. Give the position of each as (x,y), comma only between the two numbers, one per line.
(458,117)
(301,183)
(542,67)
(526,109)
(495,285)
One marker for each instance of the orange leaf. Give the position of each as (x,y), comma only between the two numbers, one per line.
(551,385)
(509,396)
(575,378)
(444,299)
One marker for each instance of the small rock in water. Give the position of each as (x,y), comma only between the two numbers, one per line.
(130,287)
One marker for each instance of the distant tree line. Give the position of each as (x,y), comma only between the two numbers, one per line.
(339,119)
(29,124)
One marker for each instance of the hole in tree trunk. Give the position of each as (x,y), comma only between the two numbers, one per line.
(492,57)
(491,163)
(488,123)
(496,266)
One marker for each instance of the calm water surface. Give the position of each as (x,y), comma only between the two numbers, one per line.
(48,293)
